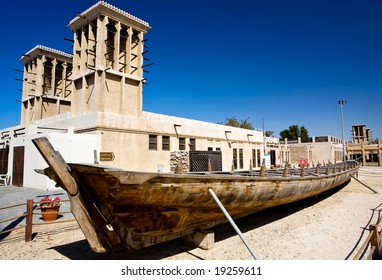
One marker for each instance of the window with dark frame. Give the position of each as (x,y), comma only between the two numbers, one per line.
(258,158)
(182,144)
(234,151)
(192,144)
(241,159)
(165,143)
(153,142)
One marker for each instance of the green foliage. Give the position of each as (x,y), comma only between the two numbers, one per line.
(375,141)
(293,132)
(235,123)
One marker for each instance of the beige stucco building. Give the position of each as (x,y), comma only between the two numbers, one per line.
(314,150)
(95,96)
(89,104)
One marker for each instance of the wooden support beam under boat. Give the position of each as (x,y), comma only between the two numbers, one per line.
(204,239)
(67,182)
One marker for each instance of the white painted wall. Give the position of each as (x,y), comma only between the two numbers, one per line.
(74,148)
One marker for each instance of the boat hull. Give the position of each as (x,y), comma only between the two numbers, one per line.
(149,208)
(123,209)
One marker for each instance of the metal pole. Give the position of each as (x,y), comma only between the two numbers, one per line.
(342,102)
(264,145)
(234,225)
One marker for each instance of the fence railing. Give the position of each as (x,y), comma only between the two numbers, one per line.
(372,242)
(14,218)
(30,207)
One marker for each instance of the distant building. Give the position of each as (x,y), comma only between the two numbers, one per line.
(361,134)
(314,150)
(361,147)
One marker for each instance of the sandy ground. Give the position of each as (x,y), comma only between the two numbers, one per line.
(331,226)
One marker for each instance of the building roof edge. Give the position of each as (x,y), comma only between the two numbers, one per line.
(107,5)
(48,49)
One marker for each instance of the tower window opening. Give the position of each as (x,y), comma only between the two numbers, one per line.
(110,45)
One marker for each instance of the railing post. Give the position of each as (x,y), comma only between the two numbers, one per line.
(285,173)
(29,222)
(262,169)
(209,166)
(302,174)
(374,241)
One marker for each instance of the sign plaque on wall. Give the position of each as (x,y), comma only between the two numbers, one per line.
(106,156)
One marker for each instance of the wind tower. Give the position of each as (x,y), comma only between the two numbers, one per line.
(47,84)
(107,61)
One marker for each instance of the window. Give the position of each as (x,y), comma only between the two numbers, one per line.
(165,143)
(234,159)
(218,149)
(182,144)
(192,144)
(241,160)
(210,149)
(153,142)
(258,158)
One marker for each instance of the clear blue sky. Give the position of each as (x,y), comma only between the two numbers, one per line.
(284,62)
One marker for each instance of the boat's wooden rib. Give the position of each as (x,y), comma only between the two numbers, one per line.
(140,209)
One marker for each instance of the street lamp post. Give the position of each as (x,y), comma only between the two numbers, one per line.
(342,102)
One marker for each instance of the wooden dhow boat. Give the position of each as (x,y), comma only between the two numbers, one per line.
(117,209)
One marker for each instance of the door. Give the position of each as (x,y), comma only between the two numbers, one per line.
(18,166)
(4,152)
(273,157)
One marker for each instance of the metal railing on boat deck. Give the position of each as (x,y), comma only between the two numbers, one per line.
(287,171)
(25,219)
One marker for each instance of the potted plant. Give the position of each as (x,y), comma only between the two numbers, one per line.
(49,207)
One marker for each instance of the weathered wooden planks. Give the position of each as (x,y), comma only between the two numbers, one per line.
(66,181)
(117,208)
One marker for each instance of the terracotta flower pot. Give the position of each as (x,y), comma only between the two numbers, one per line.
(50,213)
